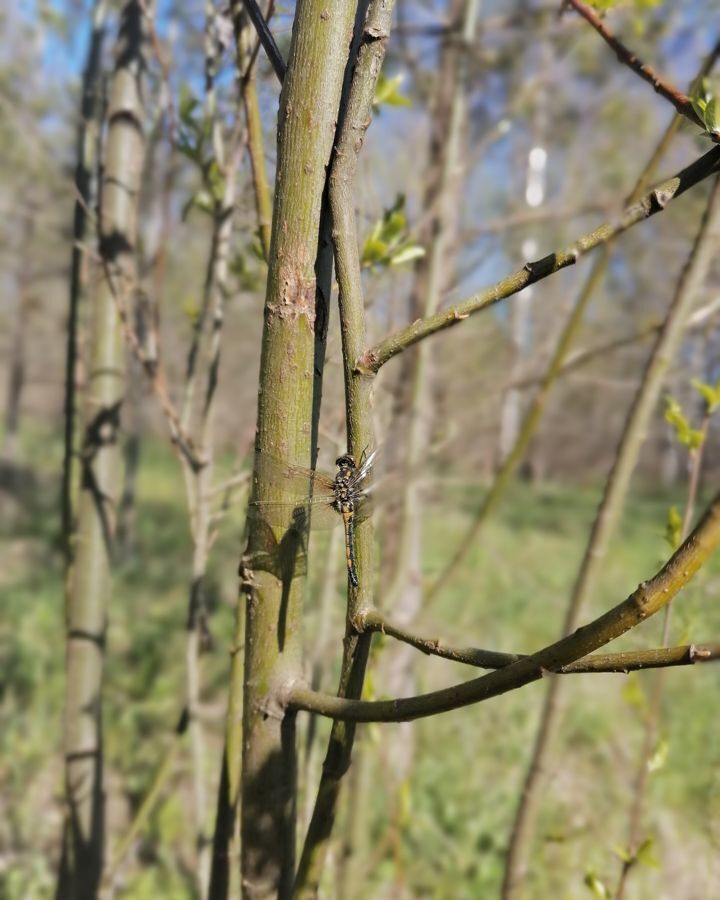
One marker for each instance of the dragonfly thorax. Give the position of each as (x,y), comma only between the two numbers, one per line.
(346,463)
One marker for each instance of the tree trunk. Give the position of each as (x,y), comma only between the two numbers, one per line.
(83,845)
(88,131)
(287,400)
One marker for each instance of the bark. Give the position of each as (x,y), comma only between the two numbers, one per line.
(90,111)
(87,607)
(372,35)
(604,528)
(289,389)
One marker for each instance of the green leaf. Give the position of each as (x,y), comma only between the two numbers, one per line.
(623,853)
(597,887)
(711,116)
(710,394)
(191,308)
(689,437)
(387,92)
(374,251)
(387,243)
(659,757)
(408,252)
(673,528)
(699,104)
(645,856)
(633,693)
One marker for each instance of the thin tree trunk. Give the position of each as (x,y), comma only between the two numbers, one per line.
(286,404)
(604,526)
(405,594)
(372,31)
(88,132)
(87,608)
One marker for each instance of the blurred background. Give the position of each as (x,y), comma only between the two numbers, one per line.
(549,135)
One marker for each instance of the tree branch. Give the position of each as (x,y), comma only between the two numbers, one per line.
(653,202)
(355,120)
(626,661)
(679,100)
(266,39)
(648,598)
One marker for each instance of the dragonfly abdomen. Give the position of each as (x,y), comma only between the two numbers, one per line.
(348,515)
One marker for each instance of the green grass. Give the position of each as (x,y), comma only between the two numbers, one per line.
(443,833)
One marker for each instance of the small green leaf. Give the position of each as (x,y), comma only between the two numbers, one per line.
(597,887)
(711,116)
(673,528)
(191,309)
(387,243)
(633,694)
(623,853)
(710,394)
(407,253)
(387,92)
(645,856)
(689,437)
(659,757)
(374,251)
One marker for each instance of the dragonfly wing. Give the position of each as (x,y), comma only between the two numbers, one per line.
(316,512)
(296,481)
(304,495)
(364,469)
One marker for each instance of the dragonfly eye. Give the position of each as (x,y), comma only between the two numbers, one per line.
(345,462)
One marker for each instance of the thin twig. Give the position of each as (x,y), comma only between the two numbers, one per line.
(266,39)
(156,376)
(586,355)
(679,100)
(627,661)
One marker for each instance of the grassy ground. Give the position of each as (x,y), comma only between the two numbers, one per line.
(441,833)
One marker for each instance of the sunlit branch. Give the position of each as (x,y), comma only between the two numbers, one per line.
(626,661)
(679,100)
(653,202)
(648,598)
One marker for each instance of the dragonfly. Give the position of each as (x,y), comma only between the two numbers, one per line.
(319,499)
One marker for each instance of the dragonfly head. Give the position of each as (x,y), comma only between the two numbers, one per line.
(346,461)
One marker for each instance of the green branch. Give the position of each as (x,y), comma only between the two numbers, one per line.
(644,602)
(356,119)
(627,661)
(273,584)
